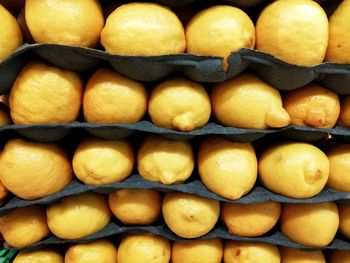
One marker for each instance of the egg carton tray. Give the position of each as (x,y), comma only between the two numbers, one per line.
(278,73)
(112,230)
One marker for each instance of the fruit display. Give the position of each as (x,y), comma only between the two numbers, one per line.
(175,131)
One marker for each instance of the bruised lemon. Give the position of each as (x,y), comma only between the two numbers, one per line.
(339,160)
(295,31)
(49,166)
(144,248)
(189,216)
(312,225)
(143,29)
(45,94)
(112,98)
(339,256)
(136,206)
(293,169)
(10,33)
(4,115)
(219,31)
(339,34)
(344,116)
(227,168)
(179,104)
(24,226)
(97,161)
(100,250)
(39,256)
(197,251)
(78,216)
(165,161)
(233,99)
(250,252)
(344,219)
(67,22)
(290,255)
(312,105)
(250,220)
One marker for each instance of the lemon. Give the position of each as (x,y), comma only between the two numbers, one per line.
(136,206)
(49,166)
(344,219)
(39,256)
(71,22)
(45,94)
(339,160)
(24,226)
(189,216)
(179,104)
(294,169)
(339,34)
(312,105)
(339,256)
(290,255)
(98,161)
(250,252)
(218,31)
(78,216)
(143,29)
(233,99)
(102,251)
(295,31)
(165,161)
(112,98)
(344,116)
(144,248)
(310,224)
(4,115)
(227,168)
(197,251)
(10,33)
(250,220)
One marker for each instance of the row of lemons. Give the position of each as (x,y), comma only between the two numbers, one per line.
(133,247)
(297,31)
(229,169)
(186,215)
(41,91)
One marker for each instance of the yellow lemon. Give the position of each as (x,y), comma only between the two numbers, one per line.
(339,34)
(233,99)
(136,206)
(310,224)
(339,160)
(49,166)
(179,104)
(144,248)
(165,161)
(45,94)
(227,168)
(344,116)
(39,256)
(295,31)
(294,169)
(190,216)
(312,105)
(102,251)
(143,29)
(24,226)
(10,33)
(71,22)
(339,256)
(197,251)
(290,255)
(344,219)
(78,216)
(112,98)
(250,220)
(4,115)
(249,252)
(218,31)
(97,161)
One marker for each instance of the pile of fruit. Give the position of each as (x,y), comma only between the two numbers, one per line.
(89,199)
